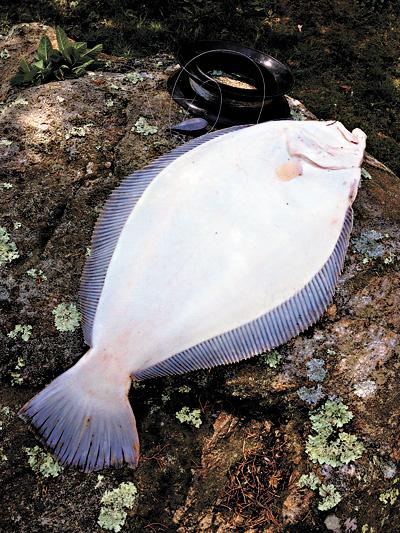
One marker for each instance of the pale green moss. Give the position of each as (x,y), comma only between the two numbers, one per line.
(272,359)
(329,445)
(43,463)
(6,185)
(16,378)
(24,331)
(142,127)
(330,497)
(5,142)
(8,248)
(66,317)
(114,504)
(191,417)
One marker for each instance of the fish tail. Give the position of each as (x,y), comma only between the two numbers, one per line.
(85,424)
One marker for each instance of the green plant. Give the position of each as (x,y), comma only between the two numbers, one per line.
(69,61)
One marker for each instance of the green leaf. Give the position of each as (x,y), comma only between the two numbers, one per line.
(62,40)
(45,48)
(24,66)
(39,64)
(81,47)
(18,79)
(76,56)
(81,69)
(93,52)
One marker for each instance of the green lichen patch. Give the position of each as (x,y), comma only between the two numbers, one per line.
(134,77)
(142,127)
(311,395)
(329,445)
(6,185)
(365,174)
(66,317)
(272,359)
(328,493)
(75,132)
(330,497)
(184,389)
(5,142)
(392,495)
(16,377)
(366,388)
(43,463)
(296,114)
(371,245)
(5,54)
(191,417)
(23,331)
(316,370)
(114,504)
(8,248)
(310,480)
(3,456)
(36,273)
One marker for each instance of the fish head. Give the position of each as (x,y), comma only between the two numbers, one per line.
(317,145)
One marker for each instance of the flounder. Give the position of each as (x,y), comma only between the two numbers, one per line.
(219,250)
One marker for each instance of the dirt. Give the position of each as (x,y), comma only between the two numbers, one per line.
(239,471)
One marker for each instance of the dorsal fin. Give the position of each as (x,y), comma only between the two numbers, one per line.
(111,222)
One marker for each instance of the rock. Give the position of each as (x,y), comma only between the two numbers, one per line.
(66,148)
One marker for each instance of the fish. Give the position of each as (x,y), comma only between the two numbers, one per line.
(226,247)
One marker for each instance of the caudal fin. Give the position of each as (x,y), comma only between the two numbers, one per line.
(84,427)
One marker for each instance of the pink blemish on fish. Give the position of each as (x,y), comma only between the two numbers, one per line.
(290,170)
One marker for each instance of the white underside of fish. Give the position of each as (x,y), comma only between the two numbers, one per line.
(219,239)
